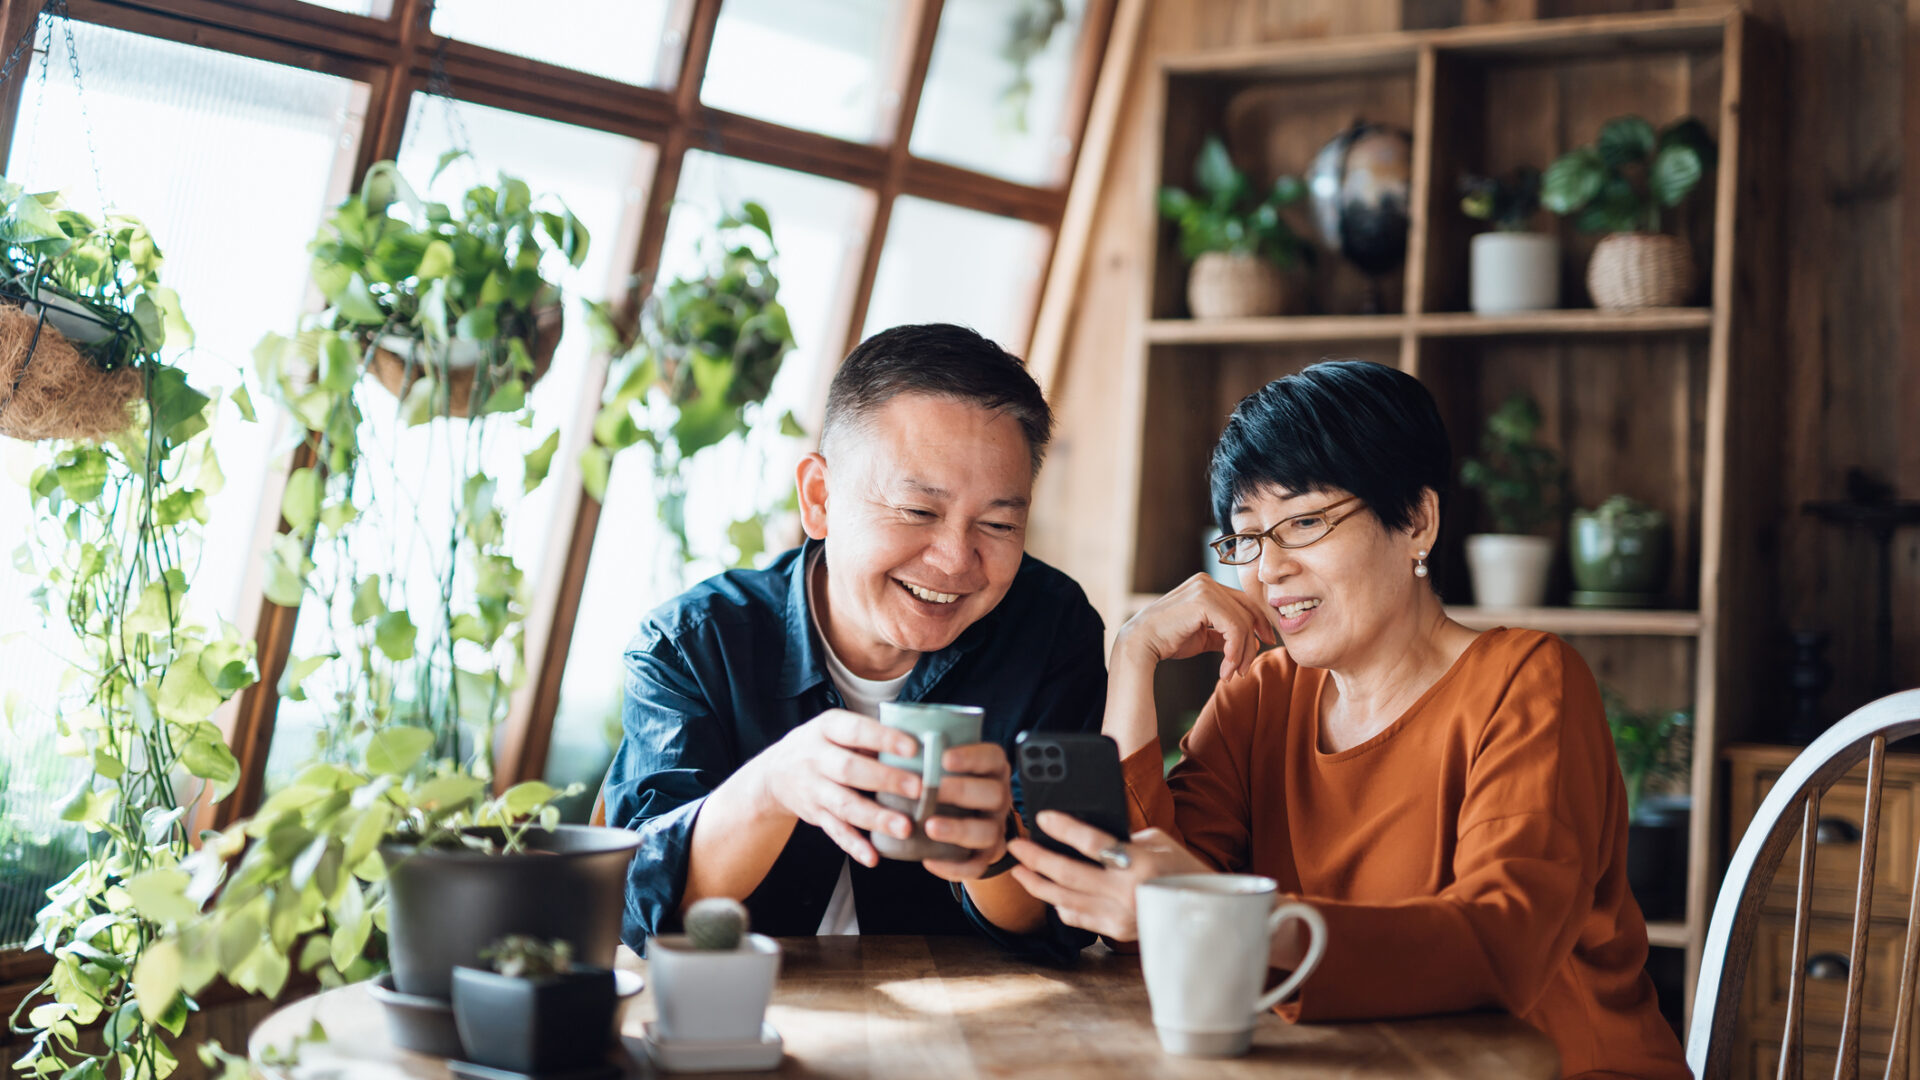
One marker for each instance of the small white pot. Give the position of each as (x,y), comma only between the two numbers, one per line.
(76,322)
(1509,571)
(461,352)
(709,996)
(1515,271)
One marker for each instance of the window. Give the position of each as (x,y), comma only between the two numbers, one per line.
(946,264)
(982,108)
(819,227)
(820,65)
(229,161)
(615,39)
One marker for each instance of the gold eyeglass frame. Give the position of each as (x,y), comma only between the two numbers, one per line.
(1270,532)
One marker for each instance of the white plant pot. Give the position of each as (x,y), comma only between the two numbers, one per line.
(1515,271)
(709,996)
(461,352)
(1509,571)
(75,321)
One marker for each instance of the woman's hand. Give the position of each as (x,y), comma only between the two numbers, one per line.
(1097,898)
(1201,615)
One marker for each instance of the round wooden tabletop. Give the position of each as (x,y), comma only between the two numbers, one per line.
(927,1008)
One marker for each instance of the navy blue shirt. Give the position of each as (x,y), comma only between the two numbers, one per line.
(725,670)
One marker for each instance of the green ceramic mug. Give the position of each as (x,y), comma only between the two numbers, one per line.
(938,728)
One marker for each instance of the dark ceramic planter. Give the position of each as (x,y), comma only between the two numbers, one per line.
(1612,555)
(561,1023)
(1657,856)
(449,903)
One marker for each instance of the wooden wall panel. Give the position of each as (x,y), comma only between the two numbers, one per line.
(1850,324)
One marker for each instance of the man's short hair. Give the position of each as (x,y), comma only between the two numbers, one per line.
(940,360)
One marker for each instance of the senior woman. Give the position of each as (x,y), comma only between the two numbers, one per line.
(1449,800)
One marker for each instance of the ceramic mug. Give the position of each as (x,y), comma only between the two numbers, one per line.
(1203,948)
(938,728)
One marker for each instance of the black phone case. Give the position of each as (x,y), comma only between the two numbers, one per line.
(1076,774)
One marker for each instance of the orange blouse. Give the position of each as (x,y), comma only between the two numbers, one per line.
(1471,855)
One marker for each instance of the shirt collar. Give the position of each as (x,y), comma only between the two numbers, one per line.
(803,665)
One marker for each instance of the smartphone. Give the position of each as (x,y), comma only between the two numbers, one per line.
(1076,774)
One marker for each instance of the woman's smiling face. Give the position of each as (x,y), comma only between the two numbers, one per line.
(1334,598)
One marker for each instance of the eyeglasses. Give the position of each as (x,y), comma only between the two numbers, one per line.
(1239,549)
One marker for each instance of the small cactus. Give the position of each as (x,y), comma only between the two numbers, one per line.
(716,923)
(518,956)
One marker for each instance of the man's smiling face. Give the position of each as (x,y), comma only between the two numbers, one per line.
(924,511)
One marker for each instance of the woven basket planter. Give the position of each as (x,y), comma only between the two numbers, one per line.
(50,390)
(1640,270)
(390,366)
(1227,286)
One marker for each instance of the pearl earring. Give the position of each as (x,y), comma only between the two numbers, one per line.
(1420,564)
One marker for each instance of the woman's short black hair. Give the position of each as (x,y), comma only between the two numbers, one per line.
(1360,427)
(942,360)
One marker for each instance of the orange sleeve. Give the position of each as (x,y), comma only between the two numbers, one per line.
(1204,803)
(1529,844)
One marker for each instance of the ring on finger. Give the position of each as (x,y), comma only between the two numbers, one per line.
(1115,856)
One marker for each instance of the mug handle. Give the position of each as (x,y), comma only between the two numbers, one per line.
(1315,948)
(933,746)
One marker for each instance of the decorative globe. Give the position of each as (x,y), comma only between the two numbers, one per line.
(1359,186)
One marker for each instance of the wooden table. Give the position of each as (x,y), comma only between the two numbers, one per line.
(928,1008)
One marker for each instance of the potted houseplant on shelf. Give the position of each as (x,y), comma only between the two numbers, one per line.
(461,302)
(1241,247)
(694,371)
(1619,553)
(81,312)
(1522,485)
(535,1011)
(1512,268)
(1652,746)
(1619,186)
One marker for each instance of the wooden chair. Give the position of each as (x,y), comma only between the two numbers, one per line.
(1794,805)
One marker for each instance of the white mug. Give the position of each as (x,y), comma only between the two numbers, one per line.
(1204,942)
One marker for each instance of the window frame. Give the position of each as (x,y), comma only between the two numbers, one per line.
(396,56)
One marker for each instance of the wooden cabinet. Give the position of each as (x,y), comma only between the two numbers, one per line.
(1670,406)
(1753,772)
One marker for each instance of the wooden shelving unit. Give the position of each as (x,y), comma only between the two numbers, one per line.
(1647,403)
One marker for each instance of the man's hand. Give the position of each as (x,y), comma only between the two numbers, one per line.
(819,770)
(978,777)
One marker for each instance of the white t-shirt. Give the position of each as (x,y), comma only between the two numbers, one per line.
(864,697)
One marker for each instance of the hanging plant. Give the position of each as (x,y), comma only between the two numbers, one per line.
(697,371)
(1029,30)
(115,529)
(80,305)
(462,299)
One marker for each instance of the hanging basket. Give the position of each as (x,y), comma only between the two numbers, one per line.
(1640,270)
(390,360)
(49,390)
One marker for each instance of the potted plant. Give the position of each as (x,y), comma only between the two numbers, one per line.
(695,371)
(1238,242)
(1619,554)
(81,311)
(1652,745)
(1522,485)
(536,1011)
(1512,268)
(1619,186)
(712,983)
(461,298)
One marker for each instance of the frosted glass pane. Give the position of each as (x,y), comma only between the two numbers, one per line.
(379,9)
(231,162)
(985,111)
(819,226)
(601,178)
(615,39)
(819,65)
(946,264)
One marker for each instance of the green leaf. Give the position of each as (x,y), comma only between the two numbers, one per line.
(1675,172)
(790,427)
(539,460)
(509,396)
(1214,171)
(160,896)
(88,807)
(295,673)
(480,324)
(418,406)
(1689,131)
(393,633)
(156,979)
(179,411)
(287,570)
(524,798)
(445,794)
(300,504)
(1570,183)
(107,766)
(206,756)
(436,261)
(185,695)
(159,605)
(756,215)
(595,464)
(395,750)
(446,158)
(748,536)
(339,363)
(367,603)
(356,304)
(1624,140)
(81,473)
(244,402)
